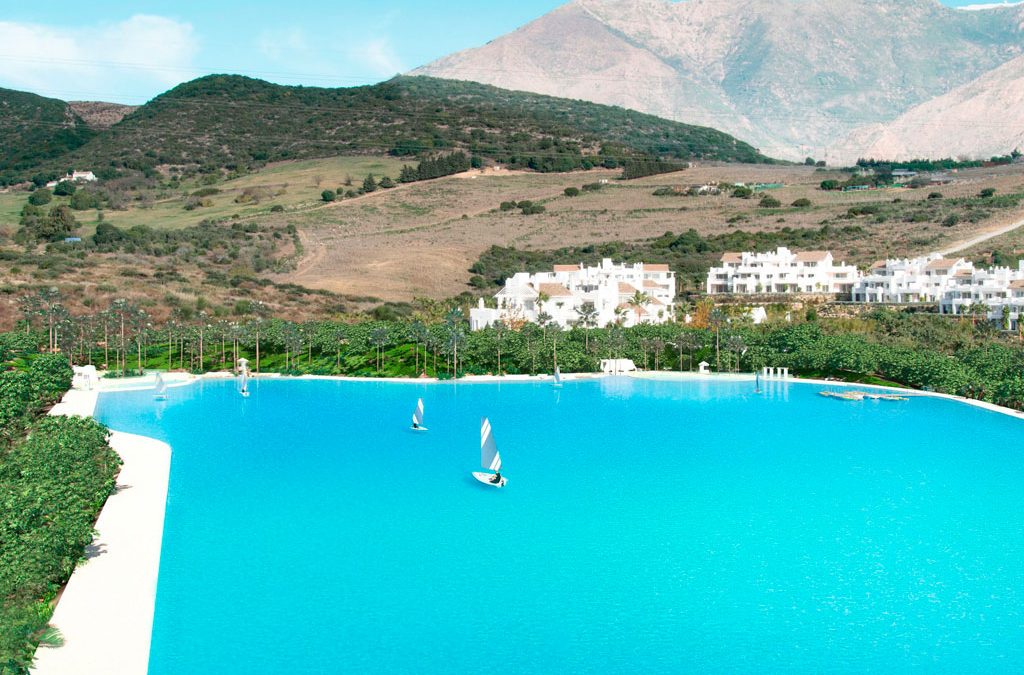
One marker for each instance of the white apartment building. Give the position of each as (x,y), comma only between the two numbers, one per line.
(614,290)
(909,280)
(990,288)
(781,271)
(955,285)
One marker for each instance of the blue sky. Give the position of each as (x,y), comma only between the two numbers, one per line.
(130,52)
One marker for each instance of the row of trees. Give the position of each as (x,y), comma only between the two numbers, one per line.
(965,356)
(436,167)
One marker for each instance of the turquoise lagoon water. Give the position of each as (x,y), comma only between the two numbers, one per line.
(648,526)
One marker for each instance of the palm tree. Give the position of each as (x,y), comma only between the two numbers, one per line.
(688,342)
(455,338)
(418,334)
(500,329)
(717,319)
(736,344)
(658,346)
(587,313)
(454,320)
(379,339)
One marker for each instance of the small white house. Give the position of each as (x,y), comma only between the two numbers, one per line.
(615,366)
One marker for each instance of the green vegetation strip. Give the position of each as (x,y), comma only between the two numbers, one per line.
(55,475)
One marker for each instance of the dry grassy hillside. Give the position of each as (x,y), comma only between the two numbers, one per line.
(422,240)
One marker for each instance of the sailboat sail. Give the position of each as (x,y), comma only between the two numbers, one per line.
(245,381)
(489,457)
(417,414)
(558,376)
(160,387)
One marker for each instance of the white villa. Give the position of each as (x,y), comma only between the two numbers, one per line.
(780,271)
(74,177)
(613,289)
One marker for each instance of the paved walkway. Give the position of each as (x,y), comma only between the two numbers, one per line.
(106,611)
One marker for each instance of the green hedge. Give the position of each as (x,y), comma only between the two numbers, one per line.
(55,475)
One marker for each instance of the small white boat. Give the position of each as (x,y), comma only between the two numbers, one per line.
(757,383)
(417,417)
(244,389)
(489,458)
(160,389)
(558,377)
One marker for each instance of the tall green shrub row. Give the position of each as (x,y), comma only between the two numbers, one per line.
(55,474)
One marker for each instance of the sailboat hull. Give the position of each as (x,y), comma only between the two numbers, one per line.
(418,429)
(485,478)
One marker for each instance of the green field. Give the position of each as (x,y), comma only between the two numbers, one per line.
(295,186)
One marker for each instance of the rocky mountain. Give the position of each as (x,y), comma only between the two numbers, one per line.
(794,78)
(101,115)
(983,118)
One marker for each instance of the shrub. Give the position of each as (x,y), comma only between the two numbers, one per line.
(950,220)
(65,188)
(206,192)
(83,200)
(386,182)
(328,195)
(830,184)
(742,192)
(769,202)
(987,192)
(572,192)
(802,203)
(533,209)
(40,197)
(276,208)
(592,187)
(934,195)
(507,206)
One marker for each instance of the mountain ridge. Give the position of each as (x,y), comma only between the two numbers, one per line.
(792,78)
(232,121)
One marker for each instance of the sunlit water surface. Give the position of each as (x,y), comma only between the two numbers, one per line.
(648,526)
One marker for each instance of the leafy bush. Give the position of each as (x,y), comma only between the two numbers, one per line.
(742,192)
(40,197)
(950,220)
(987,192)
(572,192)
(65,188)
(769,202)
(328,195)
(802,203)
(934,195)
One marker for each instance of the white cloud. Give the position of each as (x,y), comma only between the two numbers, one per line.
(378,56)
(278,45)
(130,60)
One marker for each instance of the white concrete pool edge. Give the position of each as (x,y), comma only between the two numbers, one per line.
(106,610)
(640,374)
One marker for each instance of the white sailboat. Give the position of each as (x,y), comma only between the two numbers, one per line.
(417,417)
(558,377)
(160,389)
(489,458)
(757,383)
(244,389)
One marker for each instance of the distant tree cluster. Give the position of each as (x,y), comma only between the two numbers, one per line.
(639,168)
(38,225)
(436,167)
